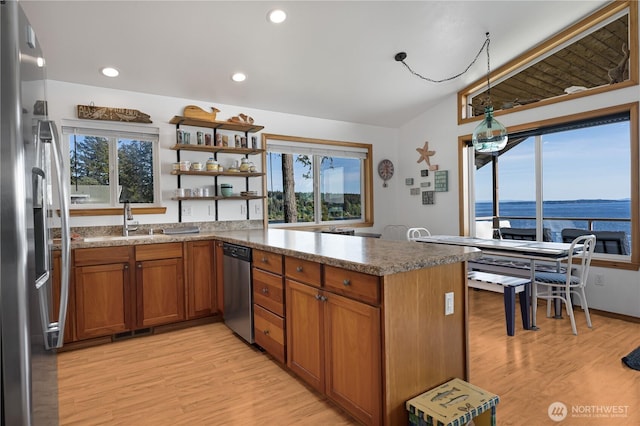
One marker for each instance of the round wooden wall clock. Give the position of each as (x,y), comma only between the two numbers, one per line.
(385,170)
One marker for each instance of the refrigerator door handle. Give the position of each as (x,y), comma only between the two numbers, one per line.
(40,185)
(54,331)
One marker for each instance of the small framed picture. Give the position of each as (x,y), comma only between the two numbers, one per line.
(441,181)
(425,184)
(408,181)
(428,197)
(237,140)
(424,173)
(414,191)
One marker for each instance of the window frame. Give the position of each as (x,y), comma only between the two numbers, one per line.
(114,132)
(559,40)
(366,173)
(466,164)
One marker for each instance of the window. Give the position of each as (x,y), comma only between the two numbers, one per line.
(317,182)
(597,54)
(108,162)
(564,178)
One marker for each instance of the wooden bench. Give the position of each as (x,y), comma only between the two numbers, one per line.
(509,286)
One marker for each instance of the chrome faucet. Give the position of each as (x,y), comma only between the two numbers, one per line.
(126,217)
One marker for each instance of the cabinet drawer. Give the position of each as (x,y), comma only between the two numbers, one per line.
(363,287)
(301,270)
(268,261)
(269,332)
(158,251)
(268,291)
(101,255)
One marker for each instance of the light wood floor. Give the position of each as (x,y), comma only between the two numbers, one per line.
(206,376)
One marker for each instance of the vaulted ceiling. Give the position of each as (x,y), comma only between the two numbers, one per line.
(330,60)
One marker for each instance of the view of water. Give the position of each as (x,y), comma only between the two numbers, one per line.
(617,209)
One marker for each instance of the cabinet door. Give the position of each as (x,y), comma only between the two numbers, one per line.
(103,306)
(159,292)
(304,333)
(219,277)
(201,290)
(69,325)
(352,354)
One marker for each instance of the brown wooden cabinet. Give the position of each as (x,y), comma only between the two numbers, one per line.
(69,326)
(159,284)
(124,288)
(102,291)
(268,303)
(333,341)
(219,276)
(201,279)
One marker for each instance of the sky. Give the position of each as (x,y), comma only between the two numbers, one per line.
(590,163)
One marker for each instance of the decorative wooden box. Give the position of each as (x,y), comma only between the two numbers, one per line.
(453,403)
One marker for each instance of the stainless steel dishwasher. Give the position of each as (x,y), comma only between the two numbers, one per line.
(238,294)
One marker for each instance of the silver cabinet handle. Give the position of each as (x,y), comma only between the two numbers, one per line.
(318,297)
(266,332)
(346,283)
(265,290)
(264,260)
(299,268)
(324,298)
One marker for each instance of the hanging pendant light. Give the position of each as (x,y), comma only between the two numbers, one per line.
(490,135)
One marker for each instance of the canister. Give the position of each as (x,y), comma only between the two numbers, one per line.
(196,166)
(185,165)
(212,165)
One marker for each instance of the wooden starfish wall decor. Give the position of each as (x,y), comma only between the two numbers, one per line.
(425,154)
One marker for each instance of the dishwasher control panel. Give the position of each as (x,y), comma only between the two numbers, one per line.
(239,252)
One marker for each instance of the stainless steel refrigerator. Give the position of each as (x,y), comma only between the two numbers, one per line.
(29,150)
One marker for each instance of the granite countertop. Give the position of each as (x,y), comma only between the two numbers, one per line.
(368,255)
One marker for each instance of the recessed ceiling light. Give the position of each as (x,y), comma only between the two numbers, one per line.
(238,77)
(110,72)
(277,16)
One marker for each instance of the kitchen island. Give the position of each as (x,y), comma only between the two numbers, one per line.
(365,319)
(410,344)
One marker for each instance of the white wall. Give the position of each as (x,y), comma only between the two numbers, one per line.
(621,293)
(64,97)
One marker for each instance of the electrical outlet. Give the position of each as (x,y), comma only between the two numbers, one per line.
(186,211)
(599,279)
(448,303)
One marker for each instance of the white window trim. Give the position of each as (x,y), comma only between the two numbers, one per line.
(319,150)
(114,130)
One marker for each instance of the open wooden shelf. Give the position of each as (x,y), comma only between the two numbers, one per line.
(221,197)
(215,149)
(206,173)
(223,125)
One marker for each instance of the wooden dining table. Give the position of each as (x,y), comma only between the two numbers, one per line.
(520,249)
